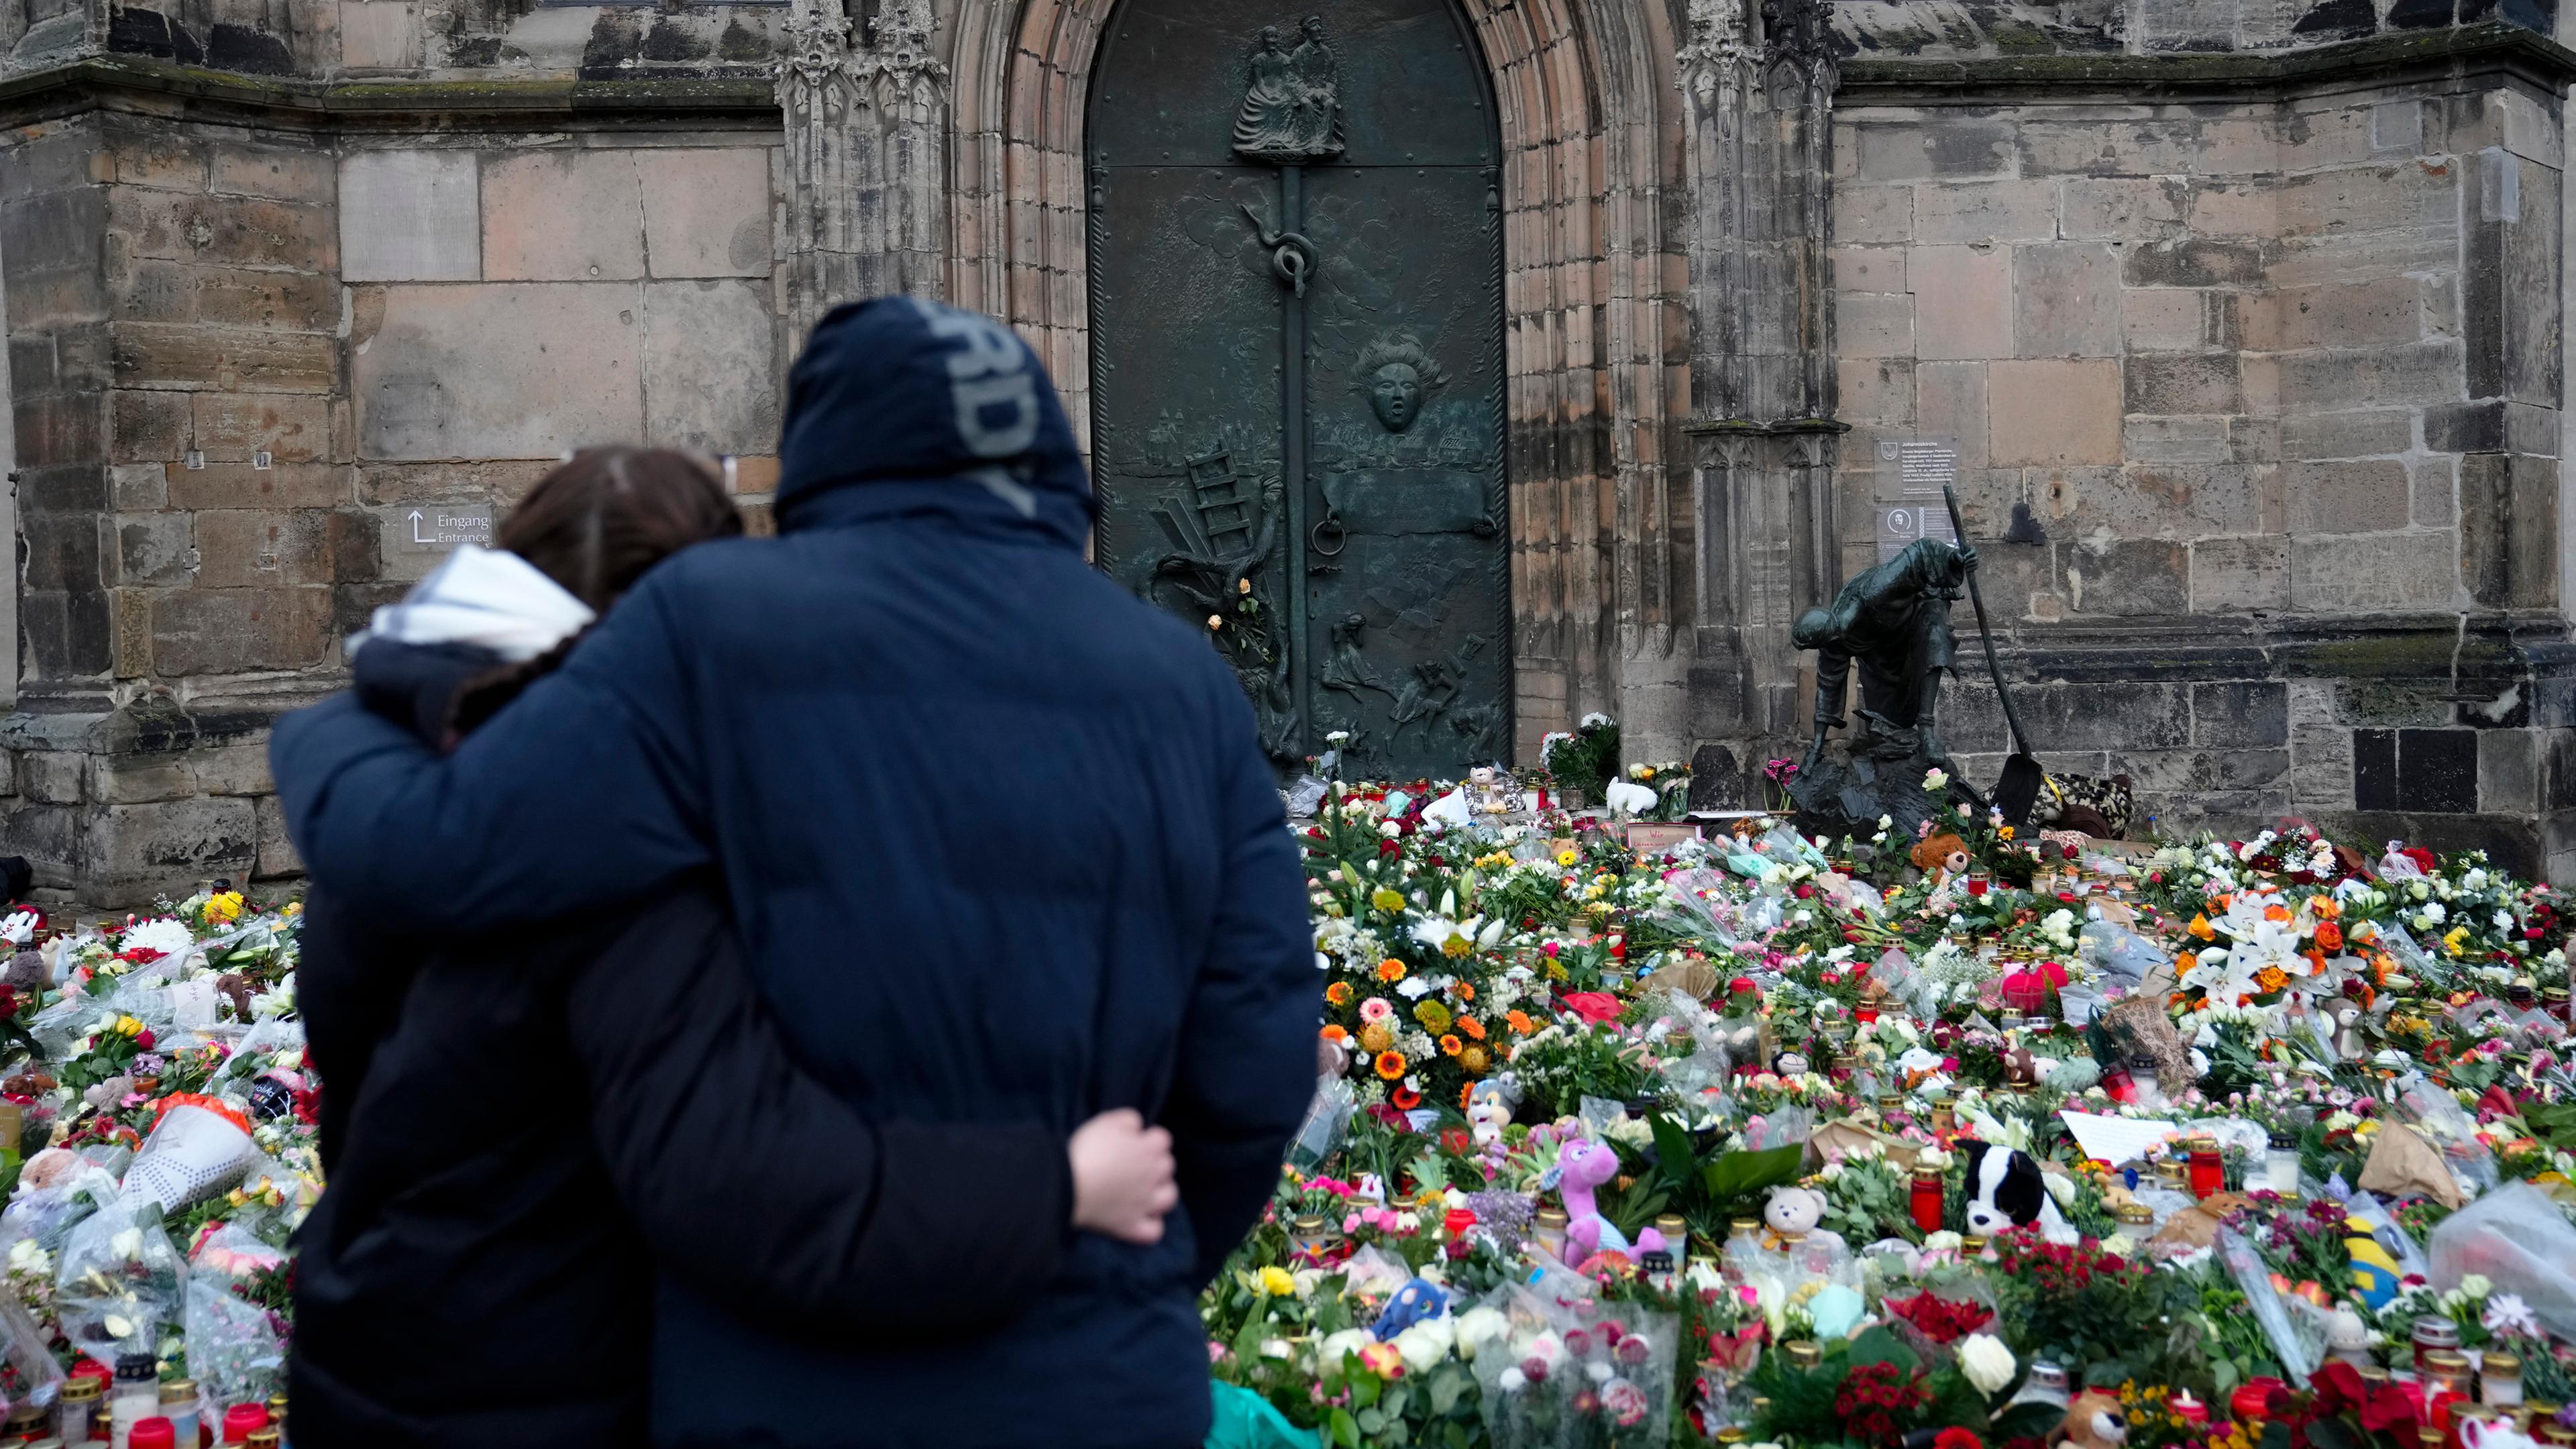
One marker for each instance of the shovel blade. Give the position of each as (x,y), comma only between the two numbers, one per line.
(2018,790)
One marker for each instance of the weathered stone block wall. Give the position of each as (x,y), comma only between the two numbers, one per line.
(264,380)
(2279,378)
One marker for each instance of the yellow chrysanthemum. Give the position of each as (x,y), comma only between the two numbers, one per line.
(1276,1282)
(1387,900)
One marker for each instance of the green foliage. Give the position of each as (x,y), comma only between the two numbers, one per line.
(1588,759)
(1437,1408)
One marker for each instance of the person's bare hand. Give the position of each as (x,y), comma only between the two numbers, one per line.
(1122,1177)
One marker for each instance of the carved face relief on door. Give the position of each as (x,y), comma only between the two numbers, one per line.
(1297,362)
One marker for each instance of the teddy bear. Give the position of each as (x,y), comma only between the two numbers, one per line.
(1790,1227)
(1790,1215)
(1943,855)
(2093,1420)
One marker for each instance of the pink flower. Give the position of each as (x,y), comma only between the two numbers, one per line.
(1376,1008)
(1216,1351)
(1623,1401)
(1382,1360)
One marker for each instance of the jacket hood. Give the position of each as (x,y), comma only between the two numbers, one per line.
(484,599)
(901,405)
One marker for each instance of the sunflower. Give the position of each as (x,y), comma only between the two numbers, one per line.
(1451,1046)
(1433,1016)
(1390,969)
(1474,1029)
(1339,993)
(1390,1064)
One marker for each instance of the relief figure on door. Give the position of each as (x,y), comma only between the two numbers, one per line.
(1292,106)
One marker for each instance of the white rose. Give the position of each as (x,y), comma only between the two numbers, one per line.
(2476,1285)
(1987,1363)
(1480,1326)
(1425,1344)
(2059,1187)
(1335,1346)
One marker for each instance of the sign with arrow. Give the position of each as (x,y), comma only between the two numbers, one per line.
(436,530)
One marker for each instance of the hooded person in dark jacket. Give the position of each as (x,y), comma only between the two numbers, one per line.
(515,1125)
(999,838)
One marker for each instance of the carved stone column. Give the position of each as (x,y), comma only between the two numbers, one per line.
(866,138)
(1760,103)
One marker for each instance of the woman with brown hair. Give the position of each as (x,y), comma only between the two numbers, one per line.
(523,1131)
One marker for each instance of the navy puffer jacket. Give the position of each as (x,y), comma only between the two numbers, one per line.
(1000,842)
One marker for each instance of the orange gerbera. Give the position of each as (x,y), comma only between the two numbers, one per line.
(1520,1022)
(1390,969)
(1405,1099)
(2276,913)
(1466,991)
(1451,1046)
(1390,1065)
(1339,993)
(1335,1033)
(1474,1029)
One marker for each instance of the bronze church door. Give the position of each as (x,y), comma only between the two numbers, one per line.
(1297,362)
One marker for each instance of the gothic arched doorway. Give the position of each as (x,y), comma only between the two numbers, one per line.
(1295,265)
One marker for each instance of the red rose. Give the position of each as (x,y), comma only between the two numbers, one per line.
(143,1040)
(1957,1439)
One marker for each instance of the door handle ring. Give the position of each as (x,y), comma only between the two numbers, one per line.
(1341,536)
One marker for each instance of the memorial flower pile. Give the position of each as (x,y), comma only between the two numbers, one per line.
(156,1132)
(1904,1141)
(1638,1130)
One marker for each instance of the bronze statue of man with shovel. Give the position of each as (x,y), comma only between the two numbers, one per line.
(1892,622)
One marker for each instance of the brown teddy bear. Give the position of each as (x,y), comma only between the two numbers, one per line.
(1939,854)
(2093,1421)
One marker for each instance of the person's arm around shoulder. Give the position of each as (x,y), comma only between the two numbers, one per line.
(578,794)
(1247,1047)
(765,1189)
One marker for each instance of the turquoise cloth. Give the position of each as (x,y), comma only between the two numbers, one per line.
(1245,1420)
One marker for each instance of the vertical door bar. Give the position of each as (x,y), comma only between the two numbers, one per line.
(1292,420)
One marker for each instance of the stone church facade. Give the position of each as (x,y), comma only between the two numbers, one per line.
(2236,323)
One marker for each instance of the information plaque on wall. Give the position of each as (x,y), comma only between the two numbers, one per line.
(1912,471)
